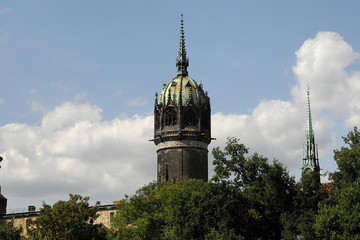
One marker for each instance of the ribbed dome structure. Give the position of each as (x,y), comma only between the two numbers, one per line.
(183,91)
(182,124)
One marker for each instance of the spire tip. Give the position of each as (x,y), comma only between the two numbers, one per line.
(182,62)
(308,89)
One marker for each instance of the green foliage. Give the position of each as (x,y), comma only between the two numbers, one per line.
(268,188)
(341,220)
(228,211)
(186,209)
(9,232)
(140,216)
(245,200)
(339,217)
(189,209)
(299,222)
(70,220)
(216,235)
(230,170)
(348,159)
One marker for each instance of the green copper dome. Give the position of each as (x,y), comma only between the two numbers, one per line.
(184,91)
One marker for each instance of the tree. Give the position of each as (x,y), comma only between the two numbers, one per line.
(300,221)
(339,216)
(230,170)
(164,211)
(141,216)
(189,209)
(268,188)
(245,199)
(186,208)
(348,160)
(70,220)
(342,219)
(9,232)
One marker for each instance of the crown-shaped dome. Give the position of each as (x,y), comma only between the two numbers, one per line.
(184,91)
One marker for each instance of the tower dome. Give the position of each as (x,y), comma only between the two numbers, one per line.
(183,93)
(182,129)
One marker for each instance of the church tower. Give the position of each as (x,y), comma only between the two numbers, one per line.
(182,124)
(310,154)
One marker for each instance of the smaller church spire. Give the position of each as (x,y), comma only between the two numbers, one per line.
(310,155)
(182,62)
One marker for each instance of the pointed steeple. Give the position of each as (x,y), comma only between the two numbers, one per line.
(309,130)
(182,62)
(310,155)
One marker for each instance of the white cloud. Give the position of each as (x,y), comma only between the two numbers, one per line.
(322,63)
(2,101)
(75,150)
(70,114)
(137,101)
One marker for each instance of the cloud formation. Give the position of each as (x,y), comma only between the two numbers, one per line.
(74,150)
(322,62)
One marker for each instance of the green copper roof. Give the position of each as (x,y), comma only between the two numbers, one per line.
(182,90)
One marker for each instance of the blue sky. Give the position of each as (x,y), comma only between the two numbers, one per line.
(78,81)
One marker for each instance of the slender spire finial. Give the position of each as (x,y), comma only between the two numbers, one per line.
(309,130)
(182,62)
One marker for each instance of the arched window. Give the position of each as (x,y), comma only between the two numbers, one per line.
(157,120)
(170,117)
(190,118)
(205,120)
